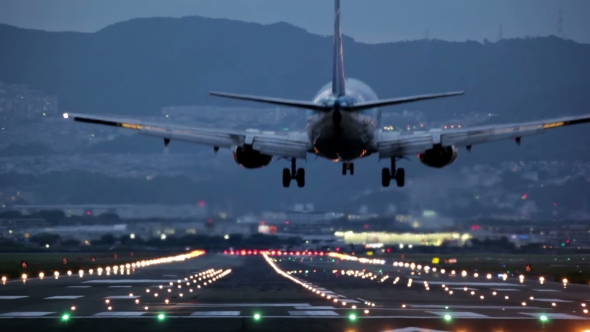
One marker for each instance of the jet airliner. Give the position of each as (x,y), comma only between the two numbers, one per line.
(343,125)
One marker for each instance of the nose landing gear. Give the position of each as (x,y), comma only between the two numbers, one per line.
(347,167)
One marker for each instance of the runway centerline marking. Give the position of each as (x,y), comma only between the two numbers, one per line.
(313,313)
(78,286)
(546,290)
(458,314)
(12,297)
(215,313)
(245,305)
(129,286)
(553,300)
(64,297)
(128,281)
(122,297)
(555,316)
(120,314)
(27,314)
(460,283)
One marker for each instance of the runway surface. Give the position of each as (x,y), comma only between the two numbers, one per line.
(217,292)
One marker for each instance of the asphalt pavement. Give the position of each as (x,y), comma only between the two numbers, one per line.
(217,292)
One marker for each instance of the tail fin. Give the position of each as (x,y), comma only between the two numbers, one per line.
(338,86)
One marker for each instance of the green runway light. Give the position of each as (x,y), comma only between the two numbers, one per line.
(352,317)
(161,316)
(65,317)
(256,316)
(543,318)
(448,317)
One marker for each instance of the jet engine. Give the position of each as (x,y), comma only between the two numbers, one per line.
(249,158)
(439,156)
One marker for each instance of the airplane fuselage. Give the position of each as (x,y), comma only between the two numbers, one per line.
(339,135)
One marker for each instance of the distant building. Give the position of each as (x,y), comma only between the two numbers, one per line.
(124,211)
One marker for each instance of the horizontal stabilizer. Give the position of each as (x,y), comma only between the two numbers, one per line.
(396,101)
(274,101)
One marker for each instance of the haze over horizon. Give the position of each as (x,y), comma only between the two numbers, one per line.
(376,21)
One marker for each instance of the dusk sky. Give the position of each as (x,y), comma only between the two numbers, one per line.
(367,21)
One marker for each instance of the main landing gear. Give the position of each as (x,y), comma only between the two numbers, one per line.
(296,174)
(398,174)
(347,167)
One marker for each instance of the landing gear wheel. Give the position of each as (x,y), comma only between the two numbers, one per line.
(351,168)
(343,168)
(400,177)
(385,177)
(286,177)
(300,177)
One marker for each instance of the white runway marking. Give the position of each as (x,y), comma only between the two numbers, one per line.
(169,275)
(459,283)
(26,314)
(553,300)
(313,313)
(554,316)
(78,286)
(414,329)
(12,297)
(119,314)
(349,301)
(437,306)
(245,305)
(463,288)
(128,281)
(121,297)
(546,290)
(506,290)
(458,314)
(119,286)
(65,297)
(319,307)
(215,313)
(163,286)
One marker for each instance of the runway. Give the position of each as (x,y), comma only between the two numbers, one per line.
(217,292)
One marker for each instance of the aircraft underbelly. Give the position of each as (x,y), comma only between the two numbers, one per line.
(346,142)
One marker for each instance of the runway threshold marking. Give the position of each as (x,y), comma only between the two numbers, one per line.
(553,300)
(12,297)
(26,314)
(78,286)
(128,286)
(546,290)
(215,313)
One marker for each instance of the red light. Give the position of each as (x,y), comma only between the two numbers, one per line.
(315,253)
(225,252)
(88,213)
(297,253)
(255,252)
(249,252)
(280,253)
(272,252)
(475,227)
(366,226)
(321,253)
(337,249)
(263,222)
(201,203)
(287,222)
(525,196)
(388,249)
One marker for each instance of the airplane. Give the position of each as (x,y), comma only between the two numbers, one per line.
(343,125)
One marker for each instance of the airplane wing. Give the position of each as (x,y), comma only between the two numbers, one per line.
(391,144)
(287,145)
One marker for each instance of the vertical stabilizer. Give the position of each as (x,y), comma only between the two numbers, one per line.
(338,87)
